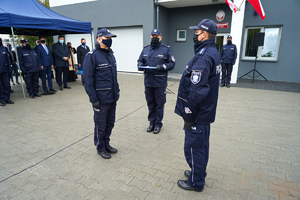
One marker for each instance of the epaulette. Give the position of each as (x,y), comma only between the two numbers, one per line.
(147,46)
(166,46)
(92,51)
(202,51)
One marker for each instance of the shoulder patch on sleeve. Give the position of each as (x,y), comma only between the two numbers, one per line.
(196,76)
(202,51)
(92,51)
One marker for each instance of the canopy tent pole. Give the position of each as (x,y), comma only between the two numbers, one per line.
(12,32)
(92,39)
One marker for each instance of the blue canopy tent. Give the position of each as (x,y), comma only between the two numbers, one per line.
(29,17)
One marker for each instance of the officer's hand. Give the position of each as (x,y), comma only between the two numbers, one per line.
(96,105)
(159,68)
(188,125)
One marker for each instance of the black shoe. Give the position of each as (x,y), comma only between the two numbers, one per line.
(222,85)
(60,88)
(150,128)
(156,130)
(68,87)
(228,85)
(9,101)
(184,185)
(2,103)
(46,92)
(110,149)
(32,96)
(52,90)
(37,95)
(104,154)
(11,91)
(187,173)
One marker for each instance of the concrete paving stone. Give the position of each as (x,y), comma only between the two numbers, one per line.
(150,179)
(253,196)
(250,187)
(94,195)
(268,178)
(247,173)
(224,172)
(259,170)
(125,188)
(274,174)
(112,174)
(38,194)
(137,174)
(124,170)
(167,194)
(293,177)
(162,175)
(258,182)
(125,178)
(10,193)
(84,181)
(149,171)
(16,181)
(233,169)
(168,186)
(147,163)
(28,188)
(270,193)
(154,189)
(60,180)
(236,191)
(81,191)
(289,184)
(221,185)
(21,196)
(285,197)
(294,193)
(278,188)
(225,195)
(160,167)
(217,177)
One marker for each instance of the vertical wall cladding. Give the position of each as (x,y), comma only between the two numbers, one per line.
(113,13)
(183,18)
(282,13)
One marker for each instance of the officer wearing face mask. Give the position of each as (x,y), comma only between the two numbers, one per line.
(29,64)
(197,102)
(5,67)
(155,80)
(101,85)
(228,56)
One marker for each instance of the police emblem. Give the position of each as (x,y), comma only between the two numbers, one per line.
(187,110)
(196,77)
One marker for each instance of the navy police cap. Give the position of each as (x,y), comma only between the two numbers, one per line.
(229,36)
(206,25)
(156,32)
(24,41)
(105,32)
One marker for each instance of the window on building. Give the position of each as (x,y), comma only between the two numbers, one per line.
(268,52)
(181,35)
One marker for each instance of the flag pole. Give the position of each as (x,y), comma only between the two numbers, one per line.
(12,31)
(241,4)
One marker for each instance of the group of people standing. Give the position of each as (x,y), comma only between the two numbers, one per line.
(38,62)
(197,93)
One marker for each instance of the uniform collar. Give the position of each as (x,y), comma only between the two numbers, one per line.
(204,43)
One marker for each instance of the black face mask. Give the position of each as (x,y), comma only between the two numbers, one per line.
(229,42)
(154,41)
(43,41)
(28,46)
(195,38)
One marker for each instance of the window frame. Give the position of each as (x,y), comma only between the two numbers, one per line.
(259,50)
(177,35)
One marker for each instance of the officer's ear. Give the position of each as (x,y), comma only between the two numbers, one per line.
(160,38)
(99,40)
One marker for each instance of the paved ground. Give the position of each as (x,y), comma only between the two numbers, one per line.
(47,150)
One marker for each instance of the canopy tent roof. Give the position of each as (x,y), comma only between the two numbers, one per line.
(29,17)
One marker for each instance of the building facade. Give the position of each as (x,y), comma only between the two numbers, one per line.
(133,20)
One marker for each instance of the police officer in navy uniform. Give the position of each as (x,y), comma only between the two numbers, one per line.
(101,85)
(29,64)
(5,67)
(160,56)
(197,102)
(228,56)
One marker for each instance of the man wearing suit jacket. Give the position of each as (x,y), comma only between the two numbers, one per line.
(82,50)
(61,59)
(46,64)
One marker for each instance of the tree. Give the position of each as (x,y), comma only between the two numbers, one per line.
(269,54)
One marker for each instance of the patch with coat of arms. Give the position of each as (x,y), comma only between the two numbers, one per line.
(196,77)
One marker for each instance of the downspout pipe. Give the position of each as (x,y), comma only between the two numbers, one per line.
(157,14)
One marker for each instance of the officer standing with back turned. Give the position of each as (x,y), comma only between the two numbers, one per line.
(197,102)
(160,56)
(101,85)
(228,56)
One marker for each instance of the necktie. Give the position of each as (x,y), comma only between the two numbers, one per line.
(45,47)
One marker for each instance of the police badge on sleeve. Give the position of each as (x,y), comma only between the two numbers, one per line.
(196,77)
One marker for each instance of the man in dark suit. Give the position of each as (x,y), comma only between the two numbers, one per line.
(82,50)
(61,59)
(46,64)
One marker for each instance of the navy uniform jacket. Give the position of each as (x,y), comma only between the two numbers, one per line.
(60,51)
(29,60)
(228,53)
(100,76)
(153,56)
(5,63)
(44,58)
(199,85)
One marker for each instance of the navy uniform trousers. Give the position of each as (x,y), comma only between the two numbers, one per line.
(226,73)
(104,119)
(32,82)
(196,151)
(156,99)
(47,71)
(4,87)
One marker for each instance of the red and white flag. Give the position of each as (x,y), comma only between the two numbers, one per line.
(258,7)
(231,5)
